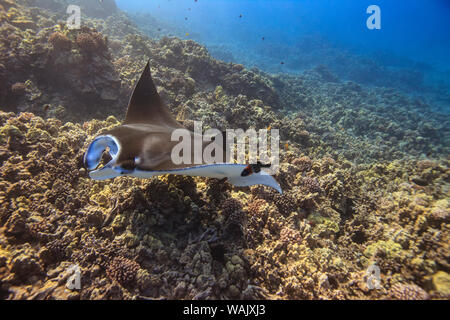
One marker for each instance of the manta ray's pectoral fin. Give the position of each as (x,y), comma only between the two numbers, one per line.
(228,171)
(262,178)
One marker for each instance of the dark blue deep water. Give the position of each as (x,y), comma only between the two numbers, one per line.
(293,36)
(418,29)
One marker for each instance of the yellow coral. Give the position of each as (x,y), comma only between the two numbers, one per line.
(390,249)
(441,283)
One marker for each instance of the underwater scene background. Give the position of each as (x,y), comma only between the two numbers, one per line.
(363,116)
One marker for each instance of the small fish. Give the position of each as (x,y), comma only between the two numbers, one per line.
(286,147)
(247,171)
(159,29)
(263,38)
(185,18)
(254,168)
(187,34)
(46,107)
(281,62)
(240,16)
(269,128)
(189,9)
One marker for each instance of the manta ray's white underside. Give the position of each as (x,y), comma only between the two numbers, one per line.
(225,170)
(109,144)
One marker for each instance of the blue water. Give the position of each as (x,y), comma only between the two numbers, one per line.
(417,29)
(414,33)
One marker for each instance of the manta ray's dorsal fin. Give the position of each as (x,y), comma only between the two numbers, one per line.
(146,105)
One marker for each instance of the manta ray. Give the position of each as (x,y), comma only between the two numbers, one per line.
(142,146)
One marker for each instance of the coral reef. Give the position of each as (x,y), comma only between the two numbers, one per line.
(364,170)
(60,41)
(408,292)
(92,43)
(123,270)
